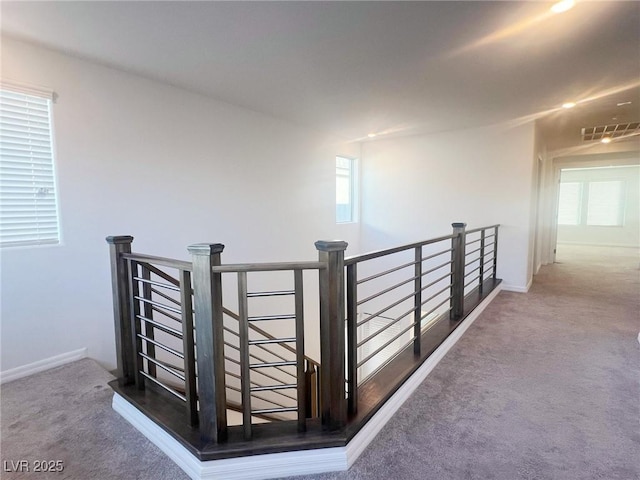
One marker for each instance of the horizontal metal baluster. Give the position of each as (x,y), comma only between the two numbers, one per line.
(272,364)
(471,281)
(275,293)
(161,365)
(470,272)
(264,411)
(260,359)
(264,399)
(472,261)
(433,255)
(437,281)
(159,305)
(436,294)
(437,268)
(437,306)
(286,386)
(158,284)
(236,376)
(163,347)
(270,341)
(474,241)
(386,344)
(389,325)
(386,290)
(471,252)
(276,379)
(386,272)
(164,328)
(379,312)
(160,384)
(261,318)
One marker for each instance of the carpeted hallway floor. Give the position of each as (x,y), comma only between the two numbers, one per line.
(543,386)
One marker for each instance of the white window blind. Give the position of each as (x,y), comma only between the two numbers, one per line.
(569,203)
(28,204)
(604,207)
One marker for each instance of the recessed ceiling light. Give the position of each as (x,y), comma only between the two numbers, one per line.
(606,140)
(563,6)
(568,105)
(621,104)
(371,135)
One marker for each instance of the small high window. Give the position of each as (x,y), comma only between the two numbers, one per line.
(345,190)
(28,203)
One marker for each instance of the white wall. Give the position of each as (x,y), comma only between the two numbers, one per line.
(626,235)
(169,167)
(414,187)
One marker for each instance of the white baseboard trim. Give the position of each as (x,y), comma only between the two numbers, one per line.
(302,462)
(42,365)
(517,288)
(609,245)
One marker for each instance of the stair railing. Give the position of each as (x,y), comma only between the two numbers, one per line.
(157,313)
(175,326)
(406,288)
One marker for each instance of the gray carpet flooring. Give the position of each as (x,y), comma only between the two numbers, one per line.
(542,386)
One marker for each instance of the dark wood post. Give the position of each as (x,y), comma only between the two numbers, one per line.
(457,256)
(207,296)
(495,253)
(352,337)
(333,405)
(188,346)
(121,307)
(417,302)
(481,261)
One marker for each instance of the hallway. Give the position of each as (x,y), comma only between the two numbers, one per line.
(542,386)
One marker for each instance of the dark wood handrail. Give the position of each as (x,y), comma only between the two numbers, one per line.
(390,251)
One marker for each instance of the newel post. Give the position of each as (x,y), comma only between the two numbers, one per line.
(121,307)
(207,296)
(333,405)
(457,256)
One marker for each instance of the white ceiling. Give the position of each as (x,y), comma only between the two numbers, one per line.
(353,68)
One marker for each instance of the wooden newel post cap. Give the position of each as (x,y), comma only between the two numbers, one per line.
(331,245)
(459,225)
(119,239)
(205,248)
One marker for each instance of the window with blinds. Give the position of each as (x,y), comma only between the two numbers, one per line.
(605,205)
(570,202)
(28,204)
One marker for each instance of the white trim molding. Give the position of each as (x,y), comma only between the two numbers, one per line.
(302,462)
(42,365)
(518,288)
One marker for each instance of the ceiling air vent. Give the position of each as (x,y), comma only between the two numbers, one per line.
(611,131)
